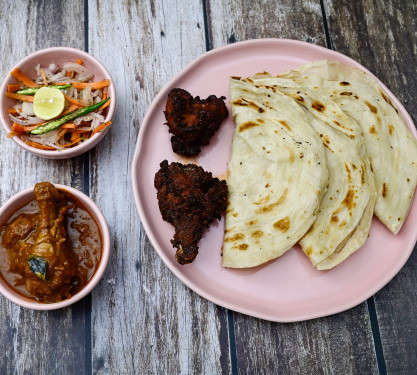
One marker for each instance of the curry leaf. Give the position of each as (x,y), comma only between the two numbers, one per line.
(38,266)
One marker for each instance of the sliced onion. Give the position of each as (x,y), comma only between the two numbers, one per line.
(86,96)
(58,76)
(38,70)
(47,139)
(73,93)
(98,93)
(27,108)
(25,122)
(74,67)
(24,116)
(84,78)
(53,68)
(93,116)
(97,99)
(18,106)
(57,139)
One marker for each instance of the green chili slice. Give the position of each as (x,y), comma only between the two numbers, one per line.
(54,124)
(33,90)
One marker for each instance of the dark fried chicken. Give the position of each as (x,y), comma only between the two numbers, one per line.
(189,199)
(193,121)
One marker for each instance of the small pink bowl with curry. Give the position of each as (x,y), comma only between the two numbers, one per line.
(54,247)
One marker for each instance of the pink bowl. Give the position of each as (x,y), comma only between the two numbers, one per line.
(26,196)
(57,55)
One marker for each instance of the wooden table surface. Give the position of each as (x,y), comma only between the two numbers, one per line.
(141,319)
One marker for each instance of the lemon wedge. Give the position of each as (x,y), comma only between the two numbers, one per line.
(48,103)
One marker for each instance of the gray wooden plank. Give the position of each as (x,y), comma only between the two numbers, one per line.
(330,345)
(233,21)
(337,344)
(31,341)
(381,36)
(144,320)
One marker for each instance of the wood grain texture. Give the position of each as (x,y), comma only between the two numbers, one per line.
(339,344)
(233,21)
(381,36)
(333,345)
(144,320)
(31,341)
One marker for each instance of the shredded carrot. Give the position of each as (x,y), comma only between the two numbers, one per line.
(45,82)
(68,126)
(38,145)
(101,127)
(26,98)
(11,134)
(59,136)
(80,62)
(13,88)
(106,104)
(75,136)
(74,101)
(72,143)
(64,126)
(62,133)
(82,85)
(69,74)
(104,96)
(16,128)
(71,108)
(31,127)
(94,85)
(13,111)
(80,131)
(21,77)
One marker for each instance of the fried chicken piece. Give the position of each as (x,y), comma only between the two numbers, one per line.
(190,199)
(51,246)
(193,121)
(41,240)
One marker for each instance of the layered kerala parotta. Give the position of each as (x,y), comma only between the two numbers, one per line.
(277,176)
(345,215)
(391,148)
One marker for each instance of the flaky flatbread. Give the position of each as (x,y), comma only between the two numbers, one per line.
(277,176)
(391,148)
(351,189)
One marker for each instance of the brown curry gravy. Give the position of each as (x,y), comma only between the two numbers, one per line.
(84,238)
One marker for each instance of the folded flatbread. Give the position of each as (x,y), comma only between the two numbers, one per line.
(277,175)
(391,148)
(345,215)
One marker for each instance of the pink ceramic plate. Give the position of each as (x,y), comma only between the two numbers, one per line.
(288,289)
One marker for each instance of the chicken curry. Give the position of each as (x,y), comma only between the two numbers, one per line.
(51,247)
